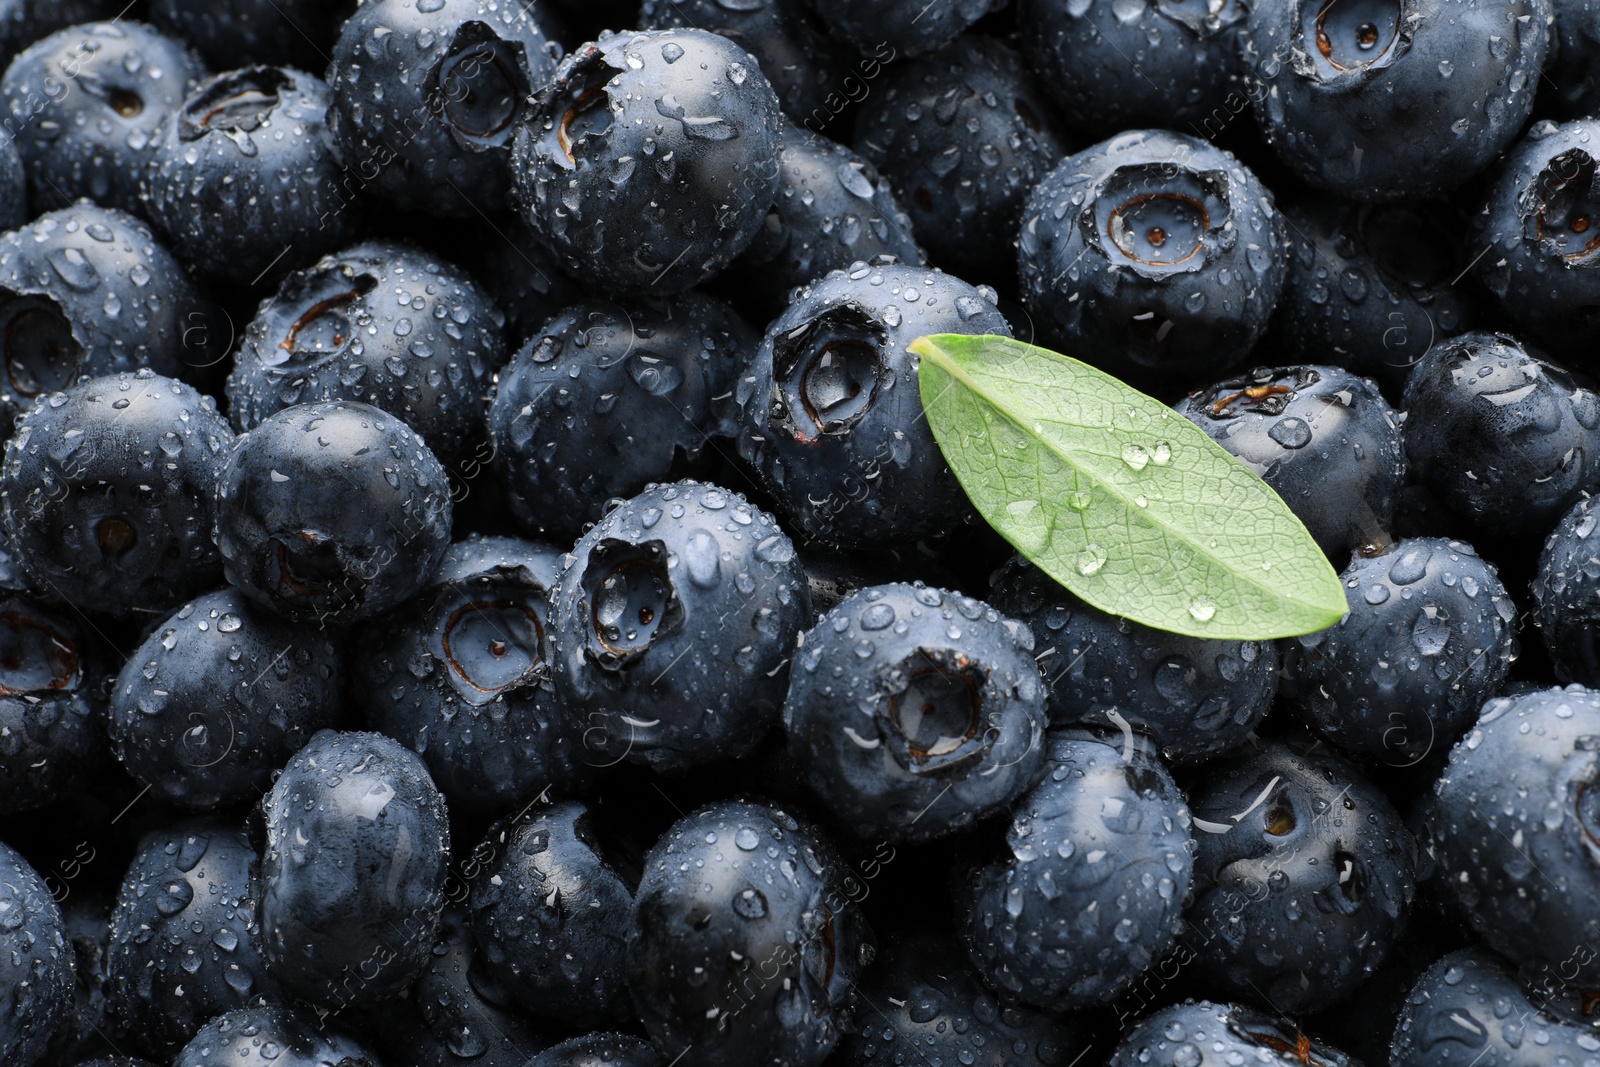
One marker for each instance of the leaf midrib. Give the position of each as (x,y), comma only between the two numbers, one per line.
(950,367)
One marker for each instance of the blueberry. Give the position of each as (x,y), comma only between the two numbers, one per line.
(649,160)
(1544,261)
(1197,697)
(552,917)
(108,492)
(1469,1005)
(1383,100)
(1505,438)
(900,27)
(606,398)
(1567,596)
(334,511)
(950,704)
(1164,64)
(427,95)
(218,697)
(35,963)
(963,134)
(453,1012)
(87,104)
(1303,877)
(832,419)
(832,209)
(1429,636)
(52,739)
(1152,255)
(1323,438)
(1373,287)
(215,178)
(461,675)
(804,63)
(382,323)
(752,961)
(185,945)
(353,872)
(272,1035)
(673,622)
(1088,882)
(923,1004)
(1510,824)
(233,33)
(88,291)
(599,1050)
(1200,1033)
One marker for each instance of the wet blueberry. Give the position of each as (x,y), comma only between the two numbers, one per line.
(35,963)
(915,711)
(52,737)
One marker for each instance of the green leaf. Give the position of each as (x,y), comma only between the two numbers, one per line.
(1118,497)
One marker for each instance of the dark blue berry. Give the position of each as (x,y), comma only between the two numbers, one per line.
(334,511)
(1566,592)
(273,1035)
(1205,1034)
(52,736)
(915,712)
(35,963)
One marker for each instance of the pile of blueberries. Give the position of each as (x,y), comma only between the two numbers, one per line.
(465,476)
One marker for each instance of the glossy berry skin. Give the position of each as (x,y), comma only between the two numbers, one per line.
(1469,1005)
(552,918)
(235,33)
(1544,266)
(804,63)
(215,181)
(118,301)
(461,676)
(662,227)
(382,323)
(751,962)
(607,397)
(1298,901)
(426,97)
(1516,798)
(52,737)
(832,208)
(963,135)
(1200,1033)
(1390,101)
(23,22)
(672,623)
(1197,698)
(1087,885)
(1573,68)
(928,1006)
(333,511)
(185,944)
(273,1035)
(1370,286)
(906,26)
(1428,638)
(352,877)
(87,104)
(831,416)
(599,1050)
(1505,438)
(520,276)
(453,1012)
(1567,595)
(915,712)
(35,963)
(1163,64)
(13,185)
(108,492)
(219,697)
(1153,255)
(1324,439)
